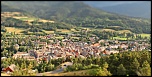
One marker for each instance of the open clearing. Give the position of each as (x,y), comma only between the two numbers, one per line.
(16,30)
(73,73)
(75,37)
(119,38)
(111,30)
(63,30)
(145,35)
(124,31)
(28,19)
(60,37)
(4,74)
(48,32)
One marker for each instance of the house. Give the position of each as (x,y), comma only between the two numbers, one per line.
(64,65)
(3,58)
(29,57)
(20,55)
(114,46)
(114,51)
(96,45)
(84,53)
(101,41)
(10,68)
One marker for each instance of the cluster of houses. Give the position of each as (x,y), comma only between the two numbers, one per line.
(79,49)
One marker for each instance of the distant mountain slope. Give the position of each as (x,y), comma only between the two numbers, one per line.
(100,4)
(5,8)
(78,13)
(57,10)
(135,9)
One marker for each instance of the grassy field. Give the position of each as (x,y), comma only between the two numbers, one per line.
(73,73)
(60,37)
(145,35)
(42,20)
(16,30)
(4,74)
(111,30)
(119,38)
(48,32)
(27,19)
(124,31)
(75,37)
(73,30)
(16,17)
(64,30)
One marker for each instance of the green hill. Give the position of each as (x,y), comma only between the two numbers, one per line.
(79,14)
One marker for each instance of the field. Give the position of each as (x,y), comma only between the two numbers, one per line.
(28,19)
(73,73)
(4,74)
(42,20)
(108,30)
(145,35)
(64,30)
(60,37)
(48,32)
(119,38)
(75,37)
(20,16)
(124,31)
(16,30)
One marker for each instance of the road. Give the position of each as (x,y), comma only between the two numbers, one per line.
(59,70)
(51,72)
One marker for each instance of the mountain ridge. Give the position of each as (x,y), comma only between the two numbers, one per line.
(133,9)
(80,14)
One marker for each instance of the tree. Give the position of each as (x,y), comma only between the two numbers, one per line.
(99,72)
(23,65)
(121,70)
(145,70)
(135,65)
(50,67)
(105,65)
(61,44)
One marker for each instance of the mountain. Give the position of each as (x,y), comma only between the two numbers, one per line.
(11,9)
(100,4)
(55,10)
(130,8)
(78,13)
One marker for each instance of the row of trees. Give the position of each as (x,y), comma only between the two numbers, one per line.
(125,63)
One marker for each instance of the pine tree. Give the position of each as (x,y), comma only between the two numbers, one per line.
(135,65)
(145,70)
(121,70)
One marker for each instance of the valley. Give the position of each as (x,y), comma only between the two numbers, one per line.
(72,39)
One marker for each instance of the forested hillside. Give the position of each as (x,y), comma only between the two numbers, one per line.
(79,14)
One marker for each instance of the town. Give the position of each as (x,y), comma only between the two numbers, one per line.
(79,49)
(74,38)
(68,48)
